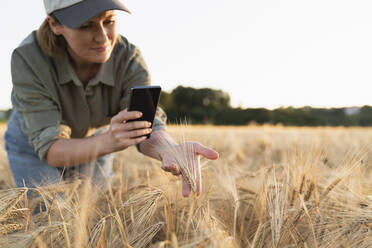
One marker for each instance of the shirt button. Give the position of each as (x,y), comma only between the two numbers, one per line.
(89,92)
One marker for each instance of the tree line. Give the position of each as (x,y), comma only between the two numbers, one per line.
(210,106)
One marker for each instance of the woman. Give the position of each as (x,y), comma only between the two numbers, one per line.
(72,75)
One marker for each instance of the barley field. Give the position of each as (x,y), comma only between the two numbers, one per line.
(272,186)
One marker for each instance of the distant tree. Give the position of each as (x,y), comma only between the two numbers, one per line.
(198,105)
(211,106)
(166,100)
(239,116)
(292,116)
(204,97)
(365,116)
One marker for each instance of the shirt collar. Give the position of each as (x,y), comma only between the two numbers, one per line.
(66,73)
(107,71)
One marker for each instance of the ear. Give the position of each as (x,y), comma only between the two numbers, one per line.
(54,25)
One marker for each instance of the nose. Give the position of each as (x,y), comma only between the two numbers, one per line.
(101,34)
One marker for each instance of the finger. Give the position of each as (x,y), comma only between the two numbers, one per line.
(124,115)
(122,130)
(185,188)
(131,142)
(171,167)
(166,165)
(136,125)
(170,170)
(176,173)
(198,176)
(205,151)
(175,169)
(134,134)
(166,168)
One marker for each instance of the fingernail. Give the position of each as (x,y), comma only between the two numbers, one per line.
(149,124)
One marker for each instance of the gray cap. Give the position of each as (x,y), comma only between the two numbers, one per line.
(73,13)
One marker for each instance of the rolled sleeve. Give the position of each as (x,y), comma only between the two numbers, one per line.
(47,137)
(41,118)
(160,120)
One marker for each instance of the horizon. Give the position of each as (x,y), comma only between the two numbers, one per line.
(353,107)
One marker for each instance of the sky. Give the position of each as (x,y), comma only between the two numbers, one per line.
(264,53)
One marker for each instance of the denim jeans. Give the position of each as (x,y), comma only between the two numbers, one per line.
(28,170)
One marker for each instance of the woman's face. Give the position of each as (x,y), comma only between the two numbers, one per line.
(93,41)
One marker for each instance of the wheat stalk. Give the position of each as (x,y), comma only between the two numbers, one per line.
(9,198)
(187,163)
(142,239)
(9,228)
(277,200)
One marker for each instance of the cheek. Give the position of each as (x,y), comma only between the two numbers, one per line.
(76,42)
(112,33)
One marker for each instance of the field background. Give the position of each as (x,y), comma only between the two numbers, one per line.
(272,186)
(5,175)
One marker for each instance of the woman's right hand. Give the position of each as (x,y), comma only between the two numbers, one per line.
(124,133)
(121,135)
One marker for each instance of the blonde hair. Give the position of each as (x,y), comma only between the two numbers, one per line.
(50,43)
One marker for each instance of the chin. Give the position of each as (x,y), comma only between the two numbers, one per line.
(101,61)
(101,58)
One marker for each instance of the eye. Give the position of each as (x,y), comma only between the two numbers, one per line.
(85,26)
(109,22)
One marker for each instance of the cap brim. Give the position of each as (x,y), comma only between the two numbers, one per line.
(77,14)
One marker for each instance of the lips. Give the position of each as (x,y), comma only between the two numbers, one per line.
(101,49)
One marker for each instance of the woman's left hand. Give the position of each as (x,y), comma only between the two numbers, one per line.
(187,153)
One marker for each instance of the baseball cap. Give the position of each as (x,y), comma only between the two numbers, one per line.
(73,13)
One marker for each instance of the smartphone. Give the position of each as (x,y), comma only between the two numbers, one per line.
(145,99)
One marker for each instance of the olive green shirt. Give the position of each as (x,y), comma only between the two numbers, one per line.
(54,104)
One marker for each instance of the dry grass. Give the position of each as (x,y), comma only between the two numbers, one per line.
(5,174)
(271,187)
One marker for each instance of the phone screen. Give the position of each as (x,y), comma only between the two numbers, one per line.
(145,99)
